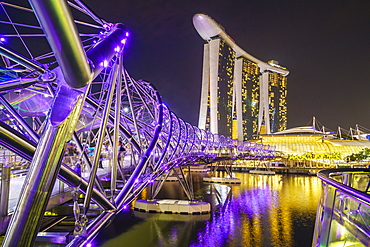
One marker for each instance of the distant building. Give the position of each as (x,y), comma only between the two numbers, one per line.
(241,96)
(307,139)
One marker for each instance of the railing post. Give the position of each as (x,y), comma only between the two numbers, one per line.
(61,188)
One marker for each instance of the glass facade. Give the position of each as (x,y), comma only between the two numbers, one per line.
(226,108)
(250,98)
(208,117)
(277,101)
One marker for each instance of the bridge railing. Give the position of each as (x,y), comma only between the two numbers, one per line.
(343,214)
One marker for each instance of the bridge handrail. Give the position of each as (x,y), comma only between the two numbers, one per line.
(326,176)
(343,208)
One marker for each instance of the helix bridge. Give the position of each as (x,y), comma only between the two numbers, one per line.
(63,84)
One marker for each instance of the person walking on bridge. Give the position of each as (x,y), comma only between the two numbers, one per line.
(121,152)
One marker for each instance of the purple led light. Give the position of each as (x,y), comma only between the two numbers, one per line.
(104,63)
(105,26)
(117,49)
(123,41)
(127,34)
(2,39)
(89,245)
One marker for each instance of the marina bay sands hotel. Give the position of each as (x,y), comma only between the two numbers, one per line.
(241,96)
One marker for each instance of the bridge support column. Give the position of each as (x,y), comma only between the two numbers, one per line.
(5,187)
(4,198)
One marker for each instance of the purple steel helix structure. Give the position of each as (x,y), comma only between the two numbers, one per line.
(64,87)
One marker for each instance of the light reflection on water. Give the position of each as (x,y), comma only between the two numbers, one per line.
(264,210)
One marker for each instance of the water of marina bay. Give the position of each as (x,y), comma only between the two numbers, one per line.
(264,210)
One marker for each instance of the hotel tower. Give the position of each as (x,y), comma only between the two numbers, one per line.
(241,96)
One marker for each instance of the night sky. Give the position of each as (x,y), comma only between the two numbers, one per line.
(324,44)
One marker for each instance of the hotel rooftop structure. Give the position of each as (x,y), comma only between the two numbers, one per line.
(241,95)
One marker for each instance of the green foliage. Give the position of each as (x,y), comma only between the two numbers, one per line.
(362,155)
(314,156)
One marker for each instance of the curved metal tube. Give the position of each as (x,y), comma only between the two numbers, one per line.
(58,25)
(17,143)
(22,60)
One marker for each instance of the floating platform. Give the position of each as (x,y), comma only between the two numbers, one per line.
(222,180)
(169,179)
(170,206)
(172,217)
(196,169)
(262,172)
(200,168)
